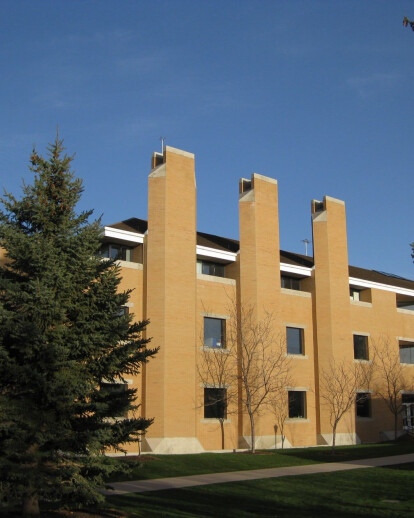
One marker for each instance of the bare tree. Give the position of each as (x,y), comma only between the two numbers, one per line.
(278,404)
(217,369)
(261,359)
(390,377)
(340,383)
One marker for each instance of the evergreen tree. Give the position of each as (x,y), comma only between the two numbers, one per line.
(62,335)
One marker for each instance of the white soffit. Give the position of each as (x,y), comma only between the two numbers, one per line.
(123,235)
(360,283)
(294,268)
(213,253)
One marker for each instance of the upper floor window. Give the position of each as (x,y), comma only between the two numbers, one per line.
(210,268)
(294,340)
(405,302)
(214,332)
(291,283)
(406,352)
(116,251)
(360,347)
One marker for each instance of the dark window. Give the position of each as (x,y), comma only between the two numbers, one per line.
(360,347)
(406,352)
(214,332)
(116,252)
(297,404)
(115,389)
(210,268)
(291,283)
(294,340)
(215,403)
(407,399)
(363,404)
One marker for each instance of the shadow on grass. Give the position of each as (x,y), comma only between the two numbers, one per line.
(342,495)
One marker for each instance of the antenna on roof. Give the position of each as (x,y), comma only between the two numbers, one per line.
(162,144)
(306,241)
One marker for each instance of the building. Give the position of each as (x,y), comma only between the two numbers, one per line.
(183,281)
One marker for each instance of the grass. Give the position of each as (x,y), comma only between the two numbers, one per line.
(161,466)
(368,493)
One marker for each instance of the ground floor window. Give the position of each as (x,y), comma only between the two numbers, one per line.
(115,389)
(297,404)
(363,404)
(215,403)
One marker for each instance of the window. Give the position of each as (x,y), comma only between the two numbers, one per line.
(113,390)
(214,332)
(116,252)
(406,352)
(360,347)
(215,403)
(363,404)
(405,302)
(210,268)
(291,283)
(297,404)
(294,340)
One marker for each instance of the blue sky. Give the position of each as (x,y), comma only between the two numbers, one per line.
(317,94)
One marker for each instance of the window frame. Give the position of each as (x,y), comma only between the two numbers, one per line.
(405,345)
(357,337)
(301,341)
(363,405)
(216,407)
(211,268)
(288,282)
(222,339)
(124,252)
(300,404)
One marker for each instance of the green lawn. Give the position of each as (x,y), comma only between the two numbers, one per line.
(160,466)
(369,493)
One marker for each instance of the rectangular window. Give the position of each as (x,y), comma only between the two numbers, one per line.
(360,347)
(405,302)
(290,283)
(114,389)
(406,352)
(363,404)
(116,252)
(210,268)
(214,332)
(294,340)
(297,404)
(215,403)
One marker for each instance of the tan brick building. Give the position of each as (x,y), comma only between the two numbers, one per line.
(325,309)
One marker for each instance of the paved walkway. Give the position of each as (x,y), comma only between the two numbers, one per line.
(140,486)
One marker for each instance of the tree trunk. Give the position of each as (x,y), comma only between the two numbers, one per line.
(283,440)
(333,438)
(30,505)
(253,434)
(395,426)
(222,433)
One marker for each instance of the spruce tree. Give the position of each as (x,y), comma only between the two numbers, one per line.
(62,335)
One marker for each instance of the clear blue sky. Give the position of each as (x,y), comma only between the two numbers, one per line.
(317,94)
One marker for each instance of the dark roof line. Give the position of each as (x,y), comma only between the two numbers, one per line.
(233,245)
